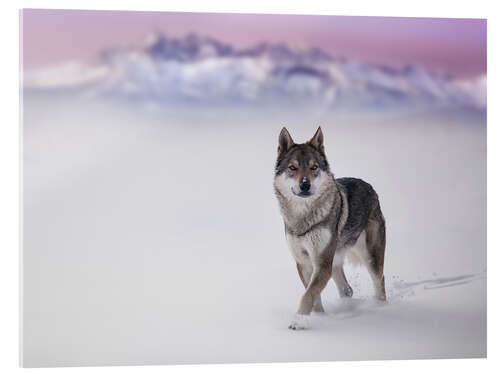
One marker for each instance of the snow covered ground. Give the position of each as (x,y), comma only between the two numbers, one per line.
(155,237)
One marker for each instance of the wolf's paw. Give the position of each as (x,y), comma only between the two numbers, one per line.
(299,322)
(347,292)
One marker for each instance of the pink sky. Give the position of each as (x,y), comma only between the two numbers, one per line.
(454,46)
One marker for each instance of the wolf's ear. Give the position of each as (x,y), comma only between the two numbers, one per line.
(285,141)
(317,140)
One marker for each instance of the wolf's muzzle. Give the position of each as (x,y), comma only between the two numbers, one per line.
(304,185)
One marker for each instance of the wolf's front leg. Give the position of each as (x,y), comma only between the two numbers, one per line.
(305,273)
(343,286)
(319,279)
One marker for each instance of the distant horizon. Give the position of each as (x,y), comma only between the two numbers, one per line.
(449,46)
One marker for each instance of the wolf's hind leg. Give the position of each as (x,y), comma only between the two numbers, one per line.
(305,273)
(375,245)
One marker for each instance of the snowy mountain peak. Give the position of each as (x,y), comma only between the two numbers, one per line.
(205,69)
(190,48)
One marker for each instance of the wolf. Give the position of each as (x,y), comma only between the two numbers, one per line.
(326,219)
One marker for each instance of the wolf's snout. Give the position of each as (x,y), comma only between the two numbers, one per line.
(305,185)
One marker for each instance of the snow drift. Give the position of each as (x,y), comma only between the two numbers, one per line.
(156,238)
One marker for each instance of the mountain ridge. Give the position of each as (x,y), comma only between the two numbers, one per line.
(201,68)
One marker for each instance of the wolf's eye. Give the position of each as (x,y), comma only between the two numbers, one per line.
(314,167)
(292,168)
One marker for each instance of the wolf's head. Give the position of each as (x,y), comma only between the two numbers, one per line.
(301,169)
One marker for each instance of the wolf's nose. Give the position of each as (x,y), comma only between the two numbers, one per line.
(305,185)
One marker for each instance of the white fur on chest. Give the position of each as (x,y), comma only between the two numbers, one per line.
(307,249)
